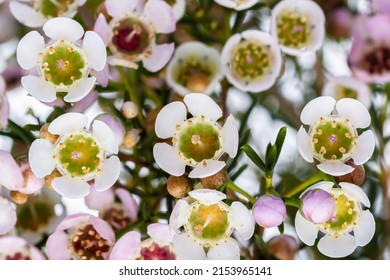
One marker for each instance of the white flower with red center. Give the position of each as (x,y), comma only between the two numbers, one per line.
(198,141)
(206,225)
(157,247)
(348,217)
(238,5)
(131,35)
(251,60)
(63,65)
(4,106)
(77,157)
(81,237)
(16,248)
(298,26)
(332,137)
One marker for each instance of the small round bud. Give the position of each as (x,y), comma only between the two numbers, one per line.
(131,138)
(215,181)
(178,187)
(269,211)
(129,110)
(282,247)
(317,206)
(18,197)
(355,177)
(51,177)
(45,134)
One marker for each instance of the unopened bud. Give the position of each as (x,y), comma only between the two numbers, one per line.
(131,138)
(18,197)
(178,187)
(269,211)
(45,134)
(215,181)
(355,177)
(282,247)
(51,177)
(129,110)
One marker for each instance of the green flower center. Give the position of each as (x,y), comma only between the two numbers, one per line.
(209,224)
(34,216)
(345,92)
(333,138)
(293,29)
(62,64)
(79,155)
(55,8)
(198,139)
(251,60)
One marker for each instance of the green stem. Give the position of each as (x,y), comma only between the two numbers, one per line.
(295,202)
(319,176)
(237,189)
(268,183)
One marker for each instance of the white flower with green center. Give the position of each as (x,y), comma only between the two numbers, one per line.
(34,13)
(64,64)
(79,155)
(298,26)
(332,137)
(206,224)
(238,5)
(251,61)
(348,218)
(198,141)
(195,67)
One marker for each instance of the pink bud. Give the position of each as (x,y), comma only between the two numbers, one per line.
(317,206)
(269,211)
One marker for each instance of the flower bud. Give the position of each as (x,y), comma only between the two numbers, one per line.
(355,177)
(18,197)
(282,247)
(129,110)
(317,206)
(269,211)
(45,134)
(179,186)
(215,181)
(131,138)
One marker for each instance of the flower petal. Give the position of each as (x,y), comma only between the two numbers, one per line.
(116,8)
(230,136)
(160,14)
(323,185)
(57,246)
(67,123)
(80,89)
(199,104)
(70,187)
(29,48)
(73,220)
(339,247)
(117,61)
(227,250)
(101,28)
(160,232)
(62,28)
(95,50)
(207,195)
(319,107)
(356,192)
(127,247)
(111,170)
(335,167)
(355,111)
(241,220)
(365,228)
(168,118)
(304,145)
(7,216)
(168,159)
(26,14)
(11,175)
(187,249)
(160,56)
(207,168)
(128,203)
(103,229)
(99,200)
(41,157)
(178,215)
(364,148)
(306,230)
(38,88)
(106,136)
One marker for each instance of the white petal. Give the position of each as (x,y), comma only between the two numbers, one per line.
(319,107)
(230,136)
(101,28)
(38,88)
(160,14)
(187,249)
(304,145)
(160,232)
(242,220)
(117,61)
(178,215)
(199,104)
(41,158)
(324,185)
(127,247)
(111,169)
(355,111)
(116,8)
(105,136)
(306,231)
(365,228)
(179,9)
(207,168)
(364,148)
(26,14)
(67,123)
(95,50)
(160,56)
(7,216)
(168,159)
(62,28)
(335,167)
(227,250)
(70,187)
(356,192)
(207,195)
(11,174)
(173,114)
(80,89)
(339,247)
(29,48)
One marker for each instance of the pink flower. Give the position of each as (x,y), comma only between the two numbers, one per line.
(4,106)
(16,248)
(317,206)
(7,216)
(269,211)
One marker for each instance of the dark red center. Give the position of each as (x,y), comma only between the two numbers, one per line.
(17,256)
(157,252)
(126,41)
(116,217)
(377,61)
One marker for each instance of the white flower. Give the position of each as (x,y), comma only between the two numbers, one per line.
(251,60)
(341,87)
(208,223)
(199,141)
(131,35)
(78,155)
(63,65)
(7,216)
(332,138)
(36,12)
(238,5)
(195,67)
(348,217)
(298,26)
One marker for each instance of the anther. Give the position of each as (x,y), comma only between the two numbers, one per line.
(342,150)
(51,50)
(319,131)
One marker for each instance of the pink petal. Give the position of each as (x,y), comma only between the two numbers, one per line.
(57,246)
(127,247)
(161,54)
(101,28)
(161,15)
(128,202)
(13,179)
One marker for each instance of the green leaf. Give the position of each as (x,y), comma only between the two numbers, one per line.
(280,141)
(254,157)
(271,155)
(281,229)
(260,243)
